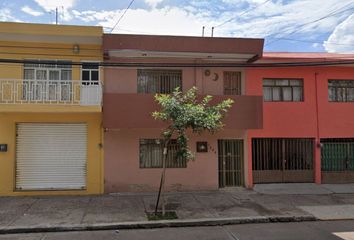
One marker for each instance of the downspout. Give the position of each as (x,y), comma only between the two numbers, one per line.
(318,143)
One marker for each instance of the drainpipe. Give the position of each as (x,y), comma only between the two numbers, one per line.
(318,142)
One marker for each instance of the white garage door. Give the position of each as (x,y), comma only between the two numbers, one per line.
(51,156)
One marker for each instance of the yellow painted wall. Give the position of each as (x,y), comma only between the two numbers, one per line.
(57,44)
(7,159)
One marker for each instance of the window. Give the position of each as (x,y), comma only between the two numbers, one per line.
(159,81)
(232,83)
(283,90)
(151,154)
(341,90)
(50,81)
(90,73)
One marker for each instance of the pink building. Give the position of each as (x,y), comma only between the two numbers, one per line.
(132,149)
(288,124)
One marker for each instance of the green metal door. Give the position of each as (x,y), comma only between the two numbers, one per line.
(337,160)
(230,163)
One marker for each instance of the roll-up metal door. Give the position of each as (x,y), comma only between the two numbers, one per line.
(51,156)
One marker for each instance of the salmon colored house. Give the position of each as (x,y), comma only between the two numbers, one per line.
(132,137)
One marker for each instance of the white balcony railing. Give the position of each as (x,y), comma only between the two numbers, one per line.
(68,92)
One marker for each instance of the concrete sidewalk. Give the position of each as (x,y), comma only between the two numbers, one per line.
(31,214)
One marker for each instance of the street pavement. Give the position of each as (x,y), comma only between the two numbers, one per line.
(331,230)
(220,207)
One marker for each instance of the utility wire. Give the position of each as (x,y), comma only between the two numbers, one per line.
(243,13)
(329,62)
(305,41)
(121,17)
(298,28)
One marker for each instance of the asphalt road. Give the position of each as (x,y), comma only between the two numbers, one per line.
(335,230)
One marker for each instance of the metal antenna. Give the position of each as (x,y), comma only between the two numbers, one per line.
(56,15)
(212,32)
(203,31)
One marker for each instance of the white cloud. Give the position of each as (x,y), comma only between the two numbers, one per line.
(342,38)
(63,6)
(6,15)
(49,5)
(166,20)
(30,11)
(279,18)
(153,3)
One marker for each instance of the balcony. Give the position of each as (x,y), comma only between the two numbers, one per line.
(134,111)
(49,92)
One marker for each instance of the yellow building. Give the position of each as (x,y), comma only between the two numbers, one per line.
(50,109)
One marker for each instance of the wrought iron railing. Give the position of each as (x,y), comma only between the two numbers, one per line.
(68,92)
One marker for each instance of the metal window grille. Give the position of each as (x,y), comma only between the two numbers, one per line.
(159,81)
(283,90)
(151,154)
(282,153)
(232,83)
(341,90)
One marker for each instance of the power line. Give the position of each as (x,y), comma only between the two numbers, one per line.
(243,13)
(298,28)
(186,65)
(121,17)
(305,41)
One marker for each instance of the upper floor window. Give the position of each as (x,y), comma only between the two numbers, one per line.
(232,83)
(90,73)
(283,90)
(151,154)
(341,90)
(52,70)
(47,82)
(159,81)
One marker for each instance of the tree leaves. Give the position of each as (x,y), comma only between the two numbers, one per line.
(184,111)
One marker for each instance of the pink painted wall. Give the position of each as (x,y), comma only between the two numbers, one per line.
(299,119)
(122,171)
(124,80)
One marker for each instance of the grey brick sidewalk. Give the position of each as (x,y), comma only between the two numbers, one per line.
(230,205)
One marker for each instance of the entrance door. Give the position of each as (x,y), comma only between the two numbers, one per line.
(337,160)
(230,163)
(91,89)
(278,160)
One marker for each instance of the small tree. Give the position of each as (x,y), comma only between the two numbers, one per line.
(184,112)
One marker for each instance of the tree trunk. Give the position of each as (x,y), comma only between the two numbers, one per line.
(162,181)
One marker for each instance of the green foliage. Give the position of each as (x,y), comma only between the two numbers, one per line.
(184,111)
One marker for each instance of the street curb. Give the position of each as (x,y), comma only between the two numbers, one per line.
(157,224)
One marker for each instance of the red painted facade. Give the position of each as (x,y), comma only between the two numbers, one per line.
(315,117)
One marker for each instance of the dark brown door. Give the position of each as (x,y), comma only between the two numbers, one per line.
(277,160)
(230,163)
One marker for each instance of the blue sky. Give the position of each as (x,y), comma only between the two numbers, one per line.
(287,25)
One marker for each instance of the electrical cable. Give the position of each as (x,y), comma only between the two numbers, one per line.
(243,13)
(186,65)
(298,28)
(121,17)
